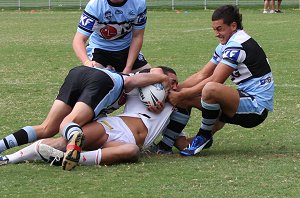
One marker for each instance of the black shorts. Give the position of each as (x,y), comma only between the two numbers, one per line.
(248,120)
(85,84)
(117,59)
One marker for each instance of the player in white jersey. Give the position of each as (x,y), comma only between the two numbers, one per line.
(240,58)
(115,29)
(85,94)
(112,139)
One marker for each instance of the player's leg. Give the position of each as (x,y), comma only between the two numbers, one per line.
(272,6)
(94,134)
(113,153)
(95,137)
(278,10)
(215,96)
(28,153)
(80,115)
(178,120)
(33,152)
(266,6)
(48,128)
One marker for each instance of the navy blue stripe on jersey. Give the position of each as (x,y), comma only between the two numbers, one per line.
(141,18)
(87,22)
(216,56)
(116,22)
(90,16)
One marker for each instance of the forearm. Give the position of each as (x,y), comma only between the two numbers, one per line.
(198,77)
(79,48)
(143,79)
(135,48)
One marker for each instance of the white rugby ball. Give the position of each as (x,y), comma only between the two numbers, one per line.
(151,94)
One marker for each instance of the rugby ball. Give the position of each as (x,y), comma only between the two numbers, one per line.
(151,94)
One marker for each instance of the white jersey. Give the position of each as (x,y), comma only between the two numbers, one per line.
(154,122)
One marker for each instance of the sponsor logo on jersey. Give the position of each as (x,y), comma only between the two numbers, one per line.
(108,15)
(231,54)
(119,12)
(86,22)
(266,80)
(131,12)
(108,32)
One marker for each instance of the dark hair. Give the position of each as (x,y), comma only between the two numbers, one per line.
(165,69)
(229,14)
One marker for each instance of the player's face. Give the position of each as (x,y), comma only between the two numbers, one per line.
(223,31)
(173,81)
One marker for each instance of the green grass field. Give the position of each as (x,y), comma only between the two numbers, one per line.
(36,54)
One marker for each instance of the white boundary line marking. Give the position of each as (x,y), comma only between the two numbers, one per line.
(196,30)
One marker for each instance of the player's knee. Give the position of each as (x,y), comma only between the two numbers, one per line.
(209,90)
(46,130)
(132,152)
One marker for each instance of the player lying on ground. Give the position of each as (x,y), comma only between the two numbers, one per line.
(86,94)
(111,139)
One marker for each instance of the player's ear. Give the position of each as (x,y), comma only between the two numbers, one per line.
(233,26)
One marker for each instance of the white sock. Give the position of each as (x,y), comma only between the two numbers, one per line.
(28,153)
(90,158)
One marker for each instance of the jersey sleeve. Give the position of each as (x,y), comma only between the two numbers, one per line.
(88,20)
(233,55)
(141,19)
(217,55)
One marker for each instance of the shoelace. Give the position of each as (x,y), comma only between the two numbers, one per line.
(55,159)
(196,141)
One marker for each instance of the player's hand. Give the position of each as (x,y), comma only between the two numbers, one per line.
(97,65)
(110,67)
(93,64)
(126,70)
(174,97)
(157,108)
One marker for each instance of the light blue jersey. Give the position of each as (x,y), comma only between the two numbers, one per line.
(252,72)
(115,98)
(110,25)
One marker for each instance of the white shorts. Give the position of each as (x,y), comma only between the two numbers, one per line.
(117,130)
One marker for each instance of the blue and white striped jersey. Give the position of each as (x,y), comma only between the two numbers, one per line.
(110,25)
(252,70)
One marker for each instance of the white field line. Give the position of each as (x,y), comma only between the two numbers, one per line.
(196,30)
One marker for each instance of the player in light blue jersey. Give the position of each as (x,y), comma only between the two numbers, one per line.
(240,58)
(115,29)
(86,94)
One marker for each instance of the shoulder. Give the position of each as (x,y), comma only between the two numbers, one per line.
(238,38)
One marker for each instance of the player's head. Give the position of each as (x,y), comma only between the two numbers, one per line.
(167,71)
(172,75)
(229,14)
(226,20)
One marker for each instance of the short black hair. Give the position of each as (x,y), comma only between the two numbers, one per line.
(230,14)
(165,69)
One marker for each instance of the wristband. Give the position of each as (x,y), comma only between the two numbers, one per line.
(86,62)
